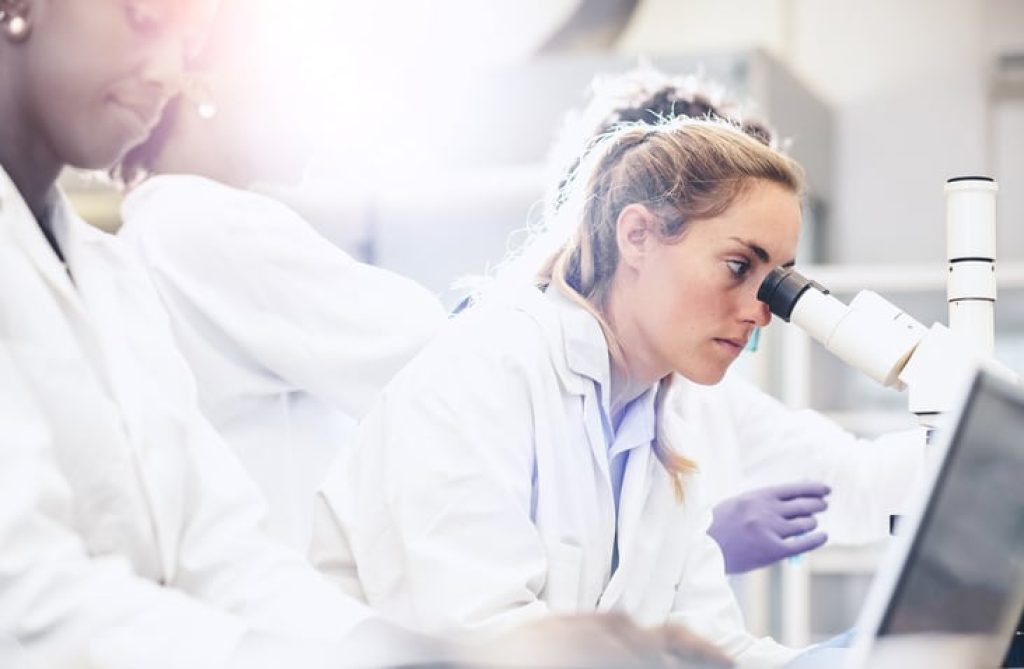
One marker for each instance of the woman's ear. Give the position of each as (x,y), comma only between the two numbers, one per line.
(635,233)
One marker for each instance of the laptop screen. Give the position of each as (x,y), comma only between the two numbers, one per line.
(965,568)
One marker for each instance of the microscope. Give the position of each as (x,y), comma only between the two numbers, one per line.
(876,337)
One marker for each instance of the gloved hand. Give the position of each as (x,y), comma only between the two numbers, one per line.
(760,527)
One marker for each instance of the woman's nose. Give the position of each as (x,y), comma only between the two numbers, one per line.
(757,312)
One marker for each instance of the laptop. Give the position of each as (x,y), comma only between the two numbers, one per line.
(952,587)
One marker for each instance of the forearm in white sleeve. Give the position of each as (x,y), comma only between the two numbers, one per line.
(61,607)
(870,478)
(300,307)
(227,559)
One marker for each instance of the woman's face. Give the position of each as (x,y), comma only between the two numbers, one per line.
(692,304)
(95,74)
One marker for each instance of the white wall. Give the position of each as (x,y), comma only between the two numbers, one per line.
(1009,162)
(908,81)
(909,86)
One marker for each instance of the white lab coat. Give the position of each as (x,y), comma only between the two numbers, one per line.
(289,337)
(477,493)
(754,441)
(134,538)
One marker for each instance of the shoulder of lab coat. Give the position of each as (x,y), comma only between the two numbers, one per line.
(260,275)
(223,575)
(759,442)
(470,438)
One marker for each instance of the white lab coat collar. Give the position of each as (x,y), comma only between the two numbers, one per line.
(556,315)
(586,353)
(584,344)
(20,223)
(639,425)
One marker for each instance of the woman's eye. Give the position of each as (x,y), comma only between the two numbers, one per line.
(738,268)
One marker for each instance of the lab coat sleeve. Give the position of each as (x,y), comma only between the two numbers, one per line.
(704,604)
(299,306)
(223,557)
(230,562)
(870,478)
(433,502)
(59,606)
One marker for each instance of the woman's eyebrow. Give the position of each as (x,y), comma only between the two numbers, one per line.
(756,249)
(759,251)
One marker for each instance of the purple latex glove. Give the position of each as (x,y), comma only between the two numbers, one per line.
(760,527)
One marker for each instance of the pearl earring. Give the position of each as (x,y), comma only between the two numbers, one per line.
(206,110)
(16,26)
(198,93)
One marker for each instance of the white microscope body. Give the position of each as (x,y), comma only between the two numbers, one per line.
(878,338)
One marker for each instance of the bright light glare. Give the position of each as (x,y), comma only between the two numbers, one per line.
(381,68)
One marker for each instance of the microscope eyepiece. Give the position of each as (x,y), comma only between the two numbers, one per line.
(782,288)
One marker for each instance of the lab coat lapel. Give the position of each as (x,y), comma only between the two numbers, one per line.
(638,534)
(101,280)
(580,356)
(593,423)
(640,531)
(586,354)
(109,290)
(21,224)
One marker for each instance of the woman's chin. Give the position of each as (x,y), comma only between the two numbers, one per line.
(705,375)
